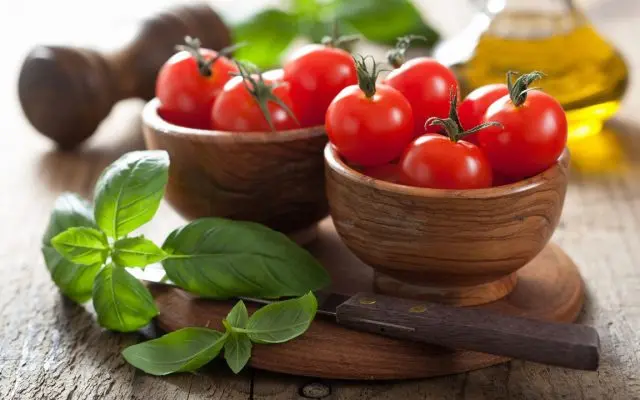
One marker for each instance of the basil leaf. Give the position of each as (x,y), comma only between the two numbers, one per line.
(128,192)
(121,301)
(136,252)
(74,281)
(238,316)
(237,351)
(82,245)
(184,350)
(400,18)
(282,321)
(266,34)
(220,258)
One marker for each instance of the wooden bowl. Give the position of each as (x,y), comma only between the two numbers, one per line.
(274,178)
(459,247)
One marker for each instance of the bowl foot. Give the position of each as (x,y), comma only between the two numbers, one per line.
(454,295)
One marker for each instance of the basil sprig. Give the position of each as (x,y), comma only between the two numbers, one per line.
(87,251)
(188,349)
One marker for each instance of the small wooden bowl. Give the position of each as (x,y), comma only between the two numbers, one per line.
(459,247)
(274,178)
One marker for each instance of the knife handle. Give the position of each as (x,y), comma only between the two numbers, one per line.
(565,345)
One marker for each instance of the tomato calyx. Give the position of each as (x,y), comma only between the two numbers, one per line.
(193,45)
(396,56)
(262,91)
(367,77)
(452,126)
(344,42)
(518,90)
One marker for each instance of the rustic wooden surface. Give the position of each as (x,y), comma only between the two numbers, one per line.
(51,349)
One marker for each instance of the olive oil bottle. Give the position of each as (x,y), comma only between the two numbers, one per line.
(583,71)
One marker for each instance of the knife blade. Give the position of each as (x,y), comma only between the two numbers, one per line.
(561,344)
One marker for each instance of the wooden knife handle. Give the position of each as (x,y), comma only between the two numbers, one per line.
(566,345)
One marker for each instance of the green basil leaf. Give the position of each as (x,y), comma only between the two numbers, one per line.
(306,7)
(121,301)
(82,245)
(74,281)
(184,350)
(282,321)
(385,21)
(237,351)
(238,316)
(266,34)
(220,258)
(136,252)
(128,192)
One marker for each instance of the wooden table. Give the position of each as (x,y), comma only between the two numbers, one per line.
(53,349)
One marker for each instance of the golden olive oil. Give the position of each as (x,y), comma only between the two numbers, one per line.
(583,71)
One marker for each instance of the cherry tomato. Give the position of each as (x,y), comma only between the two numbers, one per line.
(533,134)
(426,84)
(237,109)
(369,131)
(435,161)
(317,74)
(386,172)
(472,109)
(274,75)
(187,88)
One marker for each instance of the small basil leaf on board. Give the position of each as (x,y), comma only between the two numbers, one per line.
(121,301)
(82,245)
(237,351)
(282,321)
(136,252)
(128,192)
(385,21)
(266,34)
(184,350)
(238,316)
(220,258)
(74,281)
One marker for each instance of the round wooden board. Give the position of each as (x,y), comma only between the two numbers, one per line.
(549,287)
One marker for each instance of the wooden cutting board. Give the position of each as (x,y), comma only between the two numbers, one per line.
(549,287)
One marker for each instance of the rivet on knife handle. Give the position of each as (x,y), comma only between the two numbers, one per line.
(566,345)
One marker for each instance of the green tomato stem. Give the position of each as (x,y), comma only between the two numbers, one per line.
(518,90)
(396,56)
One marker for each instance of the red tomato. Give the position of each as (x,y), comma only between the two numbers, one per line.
(435,161)
(474,106)
(238,110)
(426,84)
(386,172)
(274,75)
(187,93)
(369,131)
(317,74)
(534,135)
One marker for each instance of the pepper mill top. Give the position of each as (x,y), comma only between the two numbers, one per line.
(66,92)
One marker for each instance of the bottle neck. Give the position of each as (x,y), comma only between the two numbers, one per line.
(529,6)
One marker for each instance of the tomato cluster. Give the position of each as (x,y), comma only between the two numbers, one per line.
(202,88)
(409,129)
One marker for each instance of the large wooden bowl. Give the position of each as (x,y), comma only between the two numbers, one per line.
(459,247)
(274,178)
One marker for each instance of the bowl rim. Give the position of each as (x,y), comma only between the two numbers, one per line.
(337,165)
(153,120)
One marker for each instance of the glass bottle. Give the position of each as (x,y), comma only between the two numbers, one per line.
(583,71)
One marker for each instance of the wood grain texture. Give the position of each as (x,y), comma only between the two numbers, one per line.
(549,288)
(42,358)
(453,246)
(275,178)
(66,92)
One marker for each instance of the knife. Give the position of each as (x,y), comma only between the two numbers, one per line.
(561,344)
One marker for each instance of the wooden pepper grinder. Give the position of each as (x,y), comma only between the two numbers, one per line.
(66,92)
